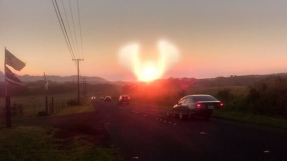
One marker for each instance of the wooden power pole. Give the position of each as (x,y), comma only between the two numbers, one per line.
(78,60)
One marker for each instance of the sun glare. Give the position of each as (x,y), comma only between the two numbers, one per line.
(149,74)
(150,70)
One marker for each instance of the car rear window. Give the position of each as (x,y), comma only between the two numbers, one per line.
(204,98)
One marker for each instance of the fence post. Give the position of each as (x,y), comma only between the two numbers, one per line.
(52,104)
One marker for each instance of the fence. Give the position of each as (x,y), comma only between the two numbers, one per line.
(32,108)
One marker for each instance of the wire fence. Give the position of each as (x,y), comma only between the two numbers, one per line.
(31,109)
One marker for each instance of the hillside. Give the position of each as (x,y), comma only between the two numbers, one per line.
(54,78)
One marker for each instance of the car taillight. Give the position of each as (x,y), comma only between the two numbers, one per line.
(221,105)
(198,105)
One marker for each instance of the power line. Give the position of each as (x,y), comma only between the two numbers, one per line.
(74,29)
(81,38)
(63,27)
(80,29)
(67,20)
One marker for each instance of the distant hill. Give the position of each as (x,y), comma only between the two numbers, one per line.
(242,80)
(29,78)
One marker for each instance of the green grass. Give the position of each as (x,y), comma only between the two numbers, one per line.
(75,109)
(29,143)
(36,103)
(251,118)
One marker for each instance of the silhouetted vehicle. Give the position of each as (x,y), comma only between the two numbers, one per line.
(195,105)
(124,99)
(108,99)
(93,97)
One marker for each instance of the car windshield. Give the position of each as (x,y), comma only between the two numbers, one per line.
(204,98)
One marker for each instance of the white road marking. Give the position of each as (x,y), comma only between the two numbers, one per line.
(174,124)
(266,151)
(202,133)
(135,157)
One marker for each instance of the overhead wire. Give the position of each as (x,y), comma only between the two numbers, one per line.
(73,49)
(80,29)
(81,39)
(74,29)
(67,20)
(62,28)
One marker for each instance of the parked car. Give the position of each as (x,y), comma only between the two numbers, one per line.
(195,105)
(108,99)
(124,99)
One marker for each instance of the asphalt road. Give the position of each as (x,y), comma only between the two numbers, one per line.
(148,135)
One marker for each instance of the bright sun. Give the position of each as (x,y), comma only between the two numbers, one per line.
(148,74)
(149,70)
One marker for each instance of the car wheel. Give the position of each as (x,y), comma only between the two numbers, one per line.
(180,116)
(190,115)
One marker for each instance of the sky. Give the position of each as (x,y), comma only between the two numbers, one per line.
(214,38)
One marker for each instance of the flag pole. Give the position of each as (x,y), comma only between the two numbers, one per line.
(8,109)
(6,93)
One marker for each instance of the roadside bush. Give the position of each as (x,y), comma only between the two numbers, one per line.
(225,95)
(268,98)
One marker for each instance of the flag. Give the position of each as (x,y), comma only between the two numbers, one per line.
(12,79)
(46,82)
(13,61)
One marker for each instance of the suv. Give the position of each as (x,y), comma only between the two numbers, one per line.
(195,105)
(124,99)
(108,99)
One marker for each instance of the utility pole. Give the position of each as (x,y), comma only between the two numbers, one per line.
(78,60)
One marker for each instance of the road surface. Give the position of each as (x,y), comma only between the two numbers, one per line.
(148,135)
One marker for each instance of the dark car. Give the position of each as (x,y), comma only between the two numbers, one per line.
(108,99)
(195,105)
(124,99)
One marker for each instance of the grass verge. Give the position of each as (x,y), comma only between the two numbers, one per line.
(75,109)
(39,143)
(251,118)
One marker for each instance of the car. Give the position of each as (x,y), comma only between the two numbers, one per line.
(195,105)
(108,99)
(93,97)
(124,99)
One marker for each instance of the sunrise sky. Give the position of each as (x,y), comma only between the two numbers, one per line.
(214,38)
